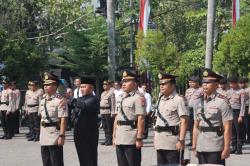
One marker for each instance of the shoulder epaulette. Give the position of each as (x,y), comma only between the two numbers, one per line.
(221,96)
(58,96)
(139,93)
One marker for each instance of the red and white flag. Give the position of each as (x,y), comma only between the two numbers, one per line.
(235,11)
(144,15)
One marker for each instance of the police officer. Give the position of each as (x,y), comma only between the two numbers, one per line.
(171,123)
(192,93)
(86,131)
(213,123)
(7,108)
(237,102)
(16,98)
(54,111)
(243,85)
(33,97)
(129,121)
(222,89)
(107,109)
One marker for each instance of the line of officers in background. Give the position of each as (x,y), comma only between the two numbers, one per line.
(216,115)
(10,109)
(214,112)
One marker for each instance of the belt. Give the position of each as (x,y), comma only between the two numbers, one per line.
(32,105)
(210,129)
(173,129)
(166,128)
(105,107)
(5,102)
(53,124)
(125,123)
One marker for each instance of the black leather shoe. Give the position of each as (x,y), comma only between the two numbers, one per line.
(233,150)
(108,143)
(36,139)
(238,151)
(31,139)
(104,143)
(3,137)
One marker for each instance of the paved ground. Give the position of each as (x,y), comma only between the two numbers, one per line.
(19,152)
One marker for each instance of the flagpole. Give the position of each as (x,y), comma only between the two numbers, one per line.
(210,33)
(131,5)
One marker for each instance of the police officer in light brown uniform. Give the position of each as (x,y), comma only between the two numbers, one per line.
(237,101)
(222,89)
(7,108)
(129,122)
(16,98)
(54,111)
(33,97)
(213,123)
(107,109)
(171,123)
(192,93)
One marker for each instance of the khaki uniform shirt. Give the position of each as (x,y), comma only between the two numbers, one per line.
(248,101)
(107,102)
(237,100)
(57,108)
(217,111)
(32,98)
(133,104)
(171,108)
(7,96)
(191,95)
(222,92)
(16,98)
(247,92)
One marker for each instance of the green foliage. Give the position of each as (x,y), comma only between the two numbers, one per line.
(156,54)
(86,50)
(23,61)
(233,55)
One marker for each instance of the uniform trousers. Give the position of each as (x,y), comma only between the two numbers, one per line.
(168,157)
(237,133)
(52,155)
(34,124)
(247,125)
(146,120)
(107,122)
(7,123)
(191,122)
(16,121)
(128,155)
(210,158)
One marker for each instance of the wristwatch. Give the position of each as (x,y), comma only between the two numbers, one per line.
(181,141)
(139,138)
(62,135)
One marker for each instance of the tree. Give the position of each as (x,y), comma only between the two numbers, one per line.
(156,54)
(86,50)
(233,55)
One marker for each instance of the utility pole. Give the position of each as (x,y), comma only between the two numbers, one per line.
(111,39)
(210,33)
(131,5)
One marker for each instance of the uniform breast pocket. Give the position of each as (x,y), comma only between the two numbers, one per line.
(52,111)
(173,112)
(106,101)
(212,114)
